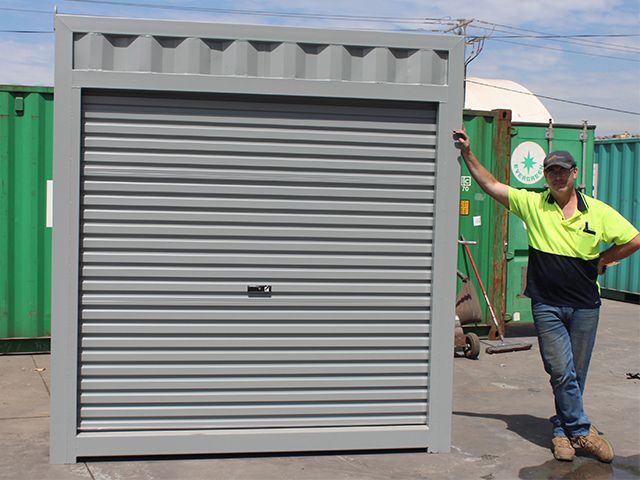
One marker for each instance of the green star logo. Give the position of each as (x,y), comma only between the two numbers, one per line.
(528,162)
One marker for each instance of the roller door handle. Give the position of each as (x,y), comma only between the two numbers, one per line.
(259,290)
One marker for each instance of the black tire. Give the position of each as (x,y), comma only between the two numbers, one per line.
(472,347)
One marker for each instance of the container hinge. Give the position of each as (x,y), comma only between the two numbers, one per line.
(584,137)
(18,105)
(584,133)
(548,133)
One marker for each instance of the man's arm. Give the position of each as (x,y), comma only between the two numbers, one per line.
(618,252)
(487,182)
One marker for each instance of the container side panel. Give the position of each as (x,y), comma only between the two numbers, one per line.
(481,219)
(476,210)
(26,157)
(618,185)
(6,205)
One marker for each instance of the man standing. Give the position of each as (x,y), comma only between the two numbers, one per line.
(564,228)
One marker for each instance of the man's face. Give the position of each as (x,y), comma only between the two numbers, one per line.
(559,179)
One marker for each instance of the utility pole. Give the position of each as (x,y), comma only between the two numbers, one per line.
(476,42)
(461,27)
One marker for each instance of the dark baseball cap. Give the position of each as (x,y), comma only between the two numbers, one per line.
(562,158)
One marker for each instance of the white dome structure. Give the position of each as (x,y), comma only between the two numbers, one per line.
(489,94)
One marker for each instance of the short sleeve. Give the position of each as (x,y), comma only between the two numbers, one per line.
(616,229)
(519,201)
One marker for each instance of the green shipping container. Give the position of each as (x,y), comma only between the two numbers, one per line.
(529,145)
(617,175)
(26,136)
(513,152)
(481,219)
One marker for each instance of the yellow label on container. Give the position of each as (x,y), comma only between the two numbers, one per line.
(464,207)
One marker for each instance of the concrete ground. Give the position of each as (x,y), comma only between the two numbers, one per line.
(500,428)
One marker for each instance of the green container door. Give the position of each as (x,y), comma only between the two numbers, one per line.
(618,180)
(26,134)
(529,145)
(482,219)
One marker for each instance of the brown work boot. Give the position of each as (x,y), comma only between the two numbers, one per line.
(596,445)
(562,449)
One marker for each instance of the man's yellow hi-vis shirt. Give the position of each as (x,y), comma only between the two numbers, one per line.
(563,253)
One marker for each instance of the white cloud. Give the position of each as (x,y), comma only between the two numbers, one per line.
(27,63)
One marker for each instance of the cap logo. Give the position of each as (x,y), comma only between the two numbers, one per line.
(526,163)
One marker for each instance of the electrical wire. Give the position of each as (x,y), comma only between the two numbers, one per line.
(519,29)
(500,39)
(556,99)
(565,50)
(474,40)
(577,42)
(586,35)
(25,10)
(27,31)
(621,49)
(359,18)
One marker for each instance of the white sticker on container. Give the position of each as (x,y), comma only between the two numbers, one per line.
(477,221)
(49,204)
(526,163)
(516,316)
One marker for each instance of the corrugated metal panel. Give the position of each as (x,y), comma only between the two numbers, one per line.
(259,58)
(26,134)
(618,185)
(188,200)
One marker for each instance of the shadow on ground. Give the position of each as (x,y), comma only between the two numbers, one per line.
(533,429)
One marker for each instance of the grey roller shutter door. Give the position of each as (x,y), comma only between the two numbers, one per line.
(186,201)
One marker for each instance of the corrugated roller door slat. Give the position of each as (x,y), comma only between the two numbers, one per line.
(188,201)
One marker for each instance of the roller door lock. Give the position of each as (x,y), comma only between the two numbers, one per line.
(259,290)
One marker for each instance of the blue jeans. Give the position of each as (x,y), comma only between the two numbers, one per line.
(566,337)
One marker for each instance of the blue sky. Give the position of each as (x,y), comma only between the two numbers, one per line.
(602,71)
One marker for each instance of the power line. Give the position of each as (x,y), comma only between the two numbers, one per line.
(26,10)
(565,50)
(359,18)
(577,42)
(556,99)
(566,40)
(586,35)
(27,31)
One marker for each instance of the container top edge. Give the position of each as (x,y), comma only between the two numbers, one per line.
(635,139)
(555,125)
(26,88)
(148,26)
